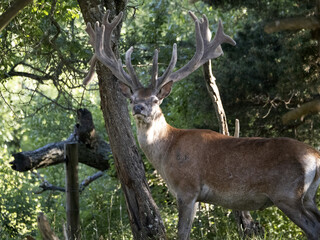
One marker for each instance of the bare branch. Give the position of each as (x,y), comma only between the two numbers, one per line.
(54,101)
(12,73)
(47,186)
(295,23)
(89,180)
(237,128)
(215,97)
(94,151)
(308,108)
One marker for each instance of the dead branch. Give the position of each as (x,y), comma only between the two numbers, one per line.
(93,150)
(47,186)
(215,97)
(44,227)
(301,112)
(89,180)
(294,23)
(237,128)
(53,153)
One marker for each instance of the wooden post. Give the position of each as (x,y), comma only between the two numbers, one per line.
(72,191)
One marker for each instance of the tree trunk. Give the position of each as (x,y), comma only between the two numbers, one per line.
(143,213)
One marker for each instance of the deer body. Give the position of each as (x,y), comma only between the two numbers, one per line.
(237,173)
(202,165)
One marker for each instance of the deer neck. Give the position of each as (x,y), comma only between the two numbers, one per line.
(154,138)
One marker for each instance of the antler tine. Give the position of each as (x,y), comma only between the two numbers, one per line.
(93,60)
(204,26)
(218,39)
(91,34)
(131,71)
(154,69)
(205,31)
(92,38)
(90,74)
(112,63)
(105,18)
(165,76)
(192,65)
(109,27)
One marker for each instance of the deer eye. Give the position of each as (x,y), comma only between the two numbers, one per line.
(155,101)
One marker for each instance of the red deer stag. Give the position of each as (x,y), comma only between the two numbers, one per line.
(205,166)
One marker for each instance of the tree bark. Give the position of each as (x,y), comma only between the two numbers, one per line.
(215,97)
(317,31)
(93,150)
(53,153)
(143,213)
(12,11)
(294,23)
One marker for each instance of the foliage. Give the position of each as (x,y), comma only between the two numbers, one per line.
(275,72)
(18,204)
(259,80)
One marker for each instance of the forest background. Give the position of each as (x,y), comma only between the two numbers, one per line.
(44,58)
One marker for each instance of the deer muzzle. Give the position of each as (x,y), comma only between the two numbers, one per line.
(138,109)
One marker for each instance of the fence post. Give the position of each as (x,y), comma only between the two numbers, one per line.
(72,191)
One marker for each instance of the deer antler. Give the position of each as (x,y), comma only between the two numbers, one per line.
(100,39)
(205,49)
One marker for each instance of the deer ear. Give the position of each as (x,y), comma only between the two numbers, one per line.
(125,89)
(165,90)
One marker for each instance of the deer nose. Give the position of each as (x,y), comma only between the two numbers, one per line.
(138,109)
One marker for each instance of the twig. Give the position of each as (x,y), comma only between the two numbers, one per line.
(46,185)
(9,106)
(89,180)
(54,101)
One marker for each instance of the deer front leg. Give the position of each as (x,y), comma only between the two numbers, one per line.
(187,209)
